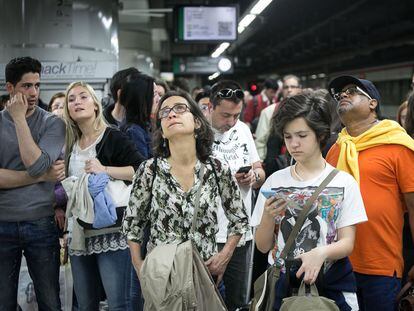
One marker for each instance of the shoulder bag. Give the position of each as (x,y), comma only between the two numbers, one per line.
(174,276)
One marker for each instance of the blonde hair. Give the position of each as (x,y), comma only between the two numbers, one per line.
(73,132)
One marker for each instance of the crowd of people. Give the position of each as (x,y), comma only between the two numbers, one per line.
(123,186)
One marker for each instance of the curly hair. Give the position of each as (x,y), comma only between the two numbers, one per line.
(204,134)
(310,106)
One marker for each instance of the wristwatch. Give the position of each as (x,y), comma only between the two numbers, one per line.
(257,176)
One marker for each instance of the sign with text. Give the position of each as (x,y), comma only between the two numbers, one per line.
(207,23)
(196,65)
(73,70)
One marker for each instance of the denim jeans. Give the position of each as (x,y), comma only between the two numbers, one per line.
(137,301)
(39,242)
(377,292)
(112,268)
(236,276)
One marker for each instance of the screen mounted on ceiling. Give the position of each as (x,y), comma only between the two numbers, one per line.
(206,23)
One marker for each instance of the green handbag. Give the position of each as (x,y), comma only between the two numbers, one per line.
(308,301)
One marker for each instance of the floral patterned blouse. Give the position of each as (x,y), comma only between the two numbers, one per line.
(171,210)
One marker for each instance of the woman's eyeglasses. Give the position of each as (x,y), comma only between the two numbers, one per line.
(177,108)
(230,93)
(351,91)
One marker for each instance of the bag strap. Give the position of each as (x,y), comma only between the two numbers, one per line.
(403,291)
(302,217)
(197,199)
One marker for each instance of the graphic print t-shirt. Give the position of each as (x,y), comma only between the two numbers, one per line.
(339,205)
(236,148)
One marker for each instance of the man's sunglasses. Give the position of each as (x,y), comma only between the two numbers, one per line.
(351,91)
(230,93)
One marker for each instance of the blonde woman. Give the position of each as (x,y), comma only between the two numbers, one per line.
(92,147)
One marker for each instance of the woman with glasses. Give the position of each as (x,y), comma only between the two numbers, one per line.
(164,191)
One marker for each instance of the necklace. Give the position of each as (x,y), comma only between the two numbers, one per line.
(296,173)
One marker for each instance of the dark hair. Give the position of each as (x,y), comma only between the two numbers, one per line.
(119,79)
(163,84)
(336,124)
(201,95)
(19,66)
(313,108)
(204,134)
(403,106)
(409,119)
(224,84)
(3,100)
(181,84)
(137,97)
(57,95)
(271,84)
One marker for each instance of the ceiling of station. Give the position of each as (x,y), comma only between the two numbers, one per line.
(310,37)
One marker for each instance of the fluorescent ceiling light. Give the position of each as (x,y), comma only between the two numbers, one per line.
(260,6)
(222,47)
(246,21)
(240,29)
(214,75)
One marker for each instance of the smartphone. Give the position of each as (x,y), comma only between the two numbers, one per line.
(268,193)
(244,169)
(273,193)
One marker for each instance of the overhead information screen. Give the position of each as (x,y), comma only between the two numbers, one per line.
(207,23)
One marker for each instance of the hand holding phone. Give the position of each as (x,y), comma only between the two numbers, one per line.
(277,205)
(273,193)
(244,169)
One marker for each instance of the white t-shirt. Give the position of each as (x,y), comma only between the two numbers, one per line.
(339,205)
(236,148)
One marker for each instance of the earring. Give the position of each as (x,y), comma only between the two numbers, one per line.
(164,143)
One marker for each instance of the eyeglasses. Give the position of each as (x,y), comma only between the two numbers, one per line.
(203,107)
(230,93)
(286,87)
(351,91)
(177,108)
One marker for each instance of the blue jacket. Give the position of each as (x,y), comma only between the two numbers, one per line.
(141,138)
(104,208)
